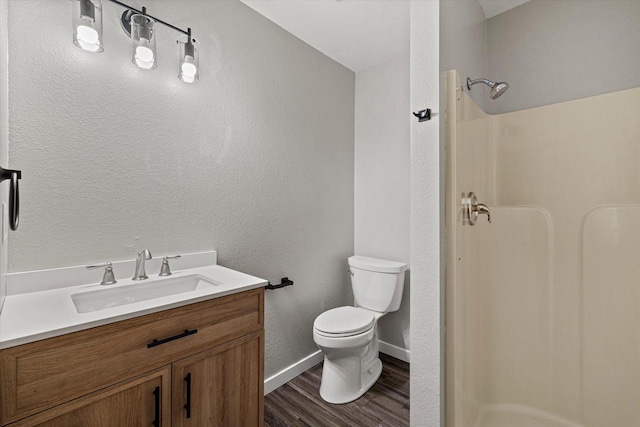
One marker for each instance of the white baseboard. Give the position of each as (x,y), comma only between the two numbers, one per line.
(290,372)
(394,351)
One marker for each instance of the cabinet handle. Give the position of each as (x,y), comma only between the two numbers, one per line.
(186,333)
(187,405)
(14,202)
(14,195)
(156,419)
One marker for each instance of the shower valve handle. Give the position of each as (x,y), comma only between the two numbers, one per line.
(482,209)
(471,209)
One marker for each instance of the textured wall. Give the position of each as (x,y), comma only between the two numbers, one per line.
(556,51)
(4,130)
(426,200)
(255,161)
(382,177)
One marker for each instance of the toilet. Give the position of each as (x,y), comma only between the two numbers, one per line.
(348,336)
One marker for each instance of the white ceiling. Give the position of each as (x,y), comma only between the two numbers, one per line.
(492,8)
(357,34)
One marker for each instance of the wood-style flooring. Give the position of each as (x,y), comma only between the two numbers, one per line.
(298,403)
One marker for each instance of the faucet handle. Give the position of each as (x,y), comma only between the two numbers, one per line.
(164,269)
(108,278)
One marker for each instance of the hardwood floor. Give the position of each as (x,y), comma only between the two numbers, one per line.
(299,404)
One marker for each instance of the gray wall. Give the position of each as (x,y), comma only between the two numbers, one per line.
(555,51)
(463,44)
(382,177)
(255,161)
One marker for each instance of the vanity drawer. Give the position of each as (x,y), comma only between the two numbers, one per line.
(43,374)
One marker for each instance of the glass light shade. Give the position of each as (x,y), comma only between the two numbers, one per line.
(189,59)
(87,24)
(143,40)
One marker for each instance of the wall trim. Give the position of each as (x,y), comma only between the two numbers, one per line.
(301,366)
(292,371)
(395,351)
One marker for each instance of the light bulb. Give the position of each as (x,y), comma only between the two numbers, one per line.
(188,67)
(188,79)
(87,34)
(144,55)
(88,38)
(144,52)
(147,65)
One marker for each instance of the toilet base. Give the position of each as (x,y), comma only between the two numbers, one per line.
(367,379)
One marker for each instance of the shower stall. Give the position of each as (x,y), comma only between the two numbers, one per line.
(543,303)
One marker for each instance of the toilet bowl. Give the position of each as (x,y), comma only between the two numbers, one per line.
(348,335)
(345,336)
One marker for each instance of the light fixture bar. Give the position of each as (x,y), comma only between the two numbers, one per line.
(144,12)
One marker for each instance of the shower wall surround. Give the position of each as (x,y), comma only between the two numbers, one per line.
(255,161)
(543,304)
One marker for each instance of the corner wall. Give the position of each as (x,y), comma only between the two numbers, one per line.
(427,209)
(382,178)
(255,161)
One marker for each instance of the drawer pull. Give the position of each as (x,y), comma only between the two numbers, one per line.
(186,333)
(187,405)
(156,419)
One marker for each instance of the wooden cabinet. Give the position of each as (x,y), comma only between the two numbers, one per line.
(124,372)
(221,387)
(142,401)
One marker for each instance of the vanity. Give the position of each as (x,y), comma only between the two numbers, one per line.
(192,358)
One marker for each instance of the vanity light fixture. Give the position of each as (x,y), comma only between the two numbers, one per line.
(143,41)
(87,24)
(189,58)
(141,28)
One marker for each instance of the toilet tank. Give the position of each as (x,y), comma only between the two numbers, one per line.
(377,284)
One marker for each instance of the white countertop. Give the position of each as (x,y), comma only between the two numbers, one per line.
(34,316)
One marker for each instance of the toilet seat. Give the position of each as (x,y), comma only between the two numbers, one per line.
(344,322)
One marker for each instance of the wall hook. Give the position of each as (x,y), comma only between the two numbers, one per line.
(423,115)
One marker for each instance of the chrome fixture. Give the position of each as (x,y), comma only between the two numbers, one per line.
(141,28)
(141,273)
(87,24)
(108,278)
(497,88)
(471,209)
(164,268)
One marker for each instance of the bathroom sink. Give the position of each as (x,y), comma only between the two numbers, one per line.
(90,301)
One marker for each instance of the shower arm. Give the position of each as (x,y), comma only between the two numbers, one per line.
(473,82)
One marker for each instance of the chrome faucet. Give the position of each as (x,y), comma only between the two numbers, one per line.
(141,274)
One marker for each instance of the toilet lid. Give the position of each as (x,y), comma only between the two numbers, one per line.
(344,320)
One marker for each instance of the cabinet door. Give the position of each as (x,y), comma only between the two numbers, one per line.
(220,387)
(142,401)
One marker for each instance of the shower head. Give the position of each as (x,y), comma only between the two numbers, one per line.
(497,88)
